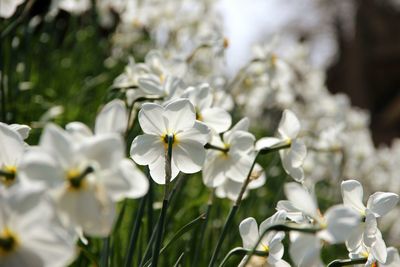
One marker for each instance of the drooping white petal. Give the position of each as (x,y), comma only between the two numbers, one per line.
(276,251)
(296,154)
(341,221)
(90,208)
(188,156)
(289,126)
(371,229)
(296,173)
(249,232)
(380,203)
(305,250)
(301,199)
(242,125)
(138,182)
(180,115)
(217,119)
(267,142)
(354,240)
(146,149)
(352,193)
(152,120)
(214,169)
(11,146)
(378,248)
(240,165)
(113,118)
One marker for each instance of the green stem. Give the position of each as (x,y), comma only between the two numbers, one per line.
(135,232)
(275,148)
(105,252)
(161,225)
(203,230)
(241,252)
(347,262)
(179,260)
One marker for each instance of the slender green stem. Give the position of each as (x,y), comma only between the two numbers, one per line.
(161,225)
(149,245)
(228,222)
(105,252)
(179,259)
(203,229)
(281,227)
(135,232)
(241,252)
(347,262)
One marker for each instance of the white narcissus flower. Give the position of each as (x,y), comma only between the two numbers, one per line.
(33,237)
(379,204)
(337,222)
(169,88)
(231,189)
(214,117)
(234,158)
(86,178)
(294,156)
(12,148)
(270,243)
(178,120)
(8,7)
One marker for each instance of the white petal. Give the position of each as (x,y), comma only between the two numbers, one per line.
(22,129)
(297,153)
(90,208)
(249,232)
(157,170)
(267,142)
(381,203)
(354,240)
(241,141)
(214,169)
(151,119)
(146,149)
(151,86)
(242,125)
(113,118)
(301,199)
(278,218)
(289,126)
(341,221)
(139,184)
(11,146)
(188,156)
(393,258)
(352,193)
(59,143)
(107,150)
(275,251)
(39,165)
(258,177)
(305,250)
(239,166)
(180,115)
(217,119)
(292,213)
(199,133)
(378,249)
(296,173)
(78,130)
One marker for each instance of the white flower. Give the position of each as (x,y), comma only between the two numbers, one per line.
(270,243)
(178,120)
(305,250)
(292,157)
(12,148)
(169,88)
(214,117)
(234,158)
(75,7)
(379,204)
(8,7)
(231,188)
(33,237)
(86,178)
(337,223)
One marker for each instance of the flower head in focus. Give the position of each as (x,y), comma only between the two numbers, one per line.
(177,120)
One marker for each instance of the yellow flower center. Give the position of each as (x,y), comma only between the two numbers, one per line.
(76,178)
(8,175)
(8,242)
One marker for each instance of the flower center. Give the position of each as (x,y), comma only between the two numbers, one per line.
(165,138)
(8,242)
(76,179)
(8,175)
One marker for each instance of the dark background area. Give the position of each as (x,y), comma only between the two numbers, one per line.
(368,68)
